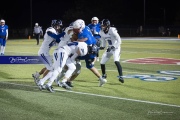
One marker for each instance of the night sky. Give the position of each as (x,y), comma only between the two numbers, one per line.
(18,14)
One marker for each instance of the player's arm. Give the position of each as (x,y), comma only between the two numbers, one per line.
(82,39)
(7,33)
(116,37)
(55,36)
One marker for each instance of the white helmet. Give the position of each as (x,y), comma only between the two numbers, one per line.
(2,21)
(83,49)
(79,24)
(36,24)
(95,18)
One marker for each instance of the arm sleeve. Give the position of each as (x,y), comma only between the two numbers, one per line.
(56,37)
(7,33)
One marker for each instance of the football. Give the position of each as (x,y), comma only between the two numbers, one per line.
(74,37)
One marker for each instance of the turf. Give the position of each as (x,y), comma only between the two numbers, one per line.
(20,98)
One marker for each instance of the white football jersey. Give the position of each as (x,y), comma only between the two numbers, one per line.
(66,38)
(112,37)
(72,47)
(48,41)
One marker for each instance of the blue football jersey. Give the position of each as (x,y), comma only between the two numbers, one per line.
(95,29)
(86,33)
(3,30)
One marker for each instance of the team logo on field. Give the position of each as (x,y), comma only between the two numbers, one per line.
(169,61)
(151,78)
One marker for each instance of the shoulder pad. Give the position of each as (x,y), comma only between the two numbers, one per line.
(112,29)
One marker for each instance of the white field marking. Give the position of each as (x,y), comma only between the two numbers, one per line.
(110,97)
(127,52)
(126,61)
(139,73)
(20,52)
(151,38)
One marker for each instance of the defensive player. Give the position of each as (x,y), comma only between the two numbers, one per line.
(109,34)
(51,37)
(61,56)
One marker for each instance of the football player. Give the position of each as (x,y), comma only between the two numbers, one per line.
(95,29)
(3,36)
(85,35)
(110,35)
(51,37)
(61,56)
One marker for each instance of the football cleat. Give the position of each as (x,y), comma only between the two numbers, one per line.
(104,76)
(102,81)
(69,84)
(41,87)
(58,82)
(64,85)
(121,79)
(36,77)
(50,88)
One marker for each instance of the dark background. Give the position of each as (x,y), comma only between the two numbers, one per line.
(22,14)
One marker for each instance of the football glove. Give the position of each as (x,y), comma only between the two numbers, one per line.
(101,48)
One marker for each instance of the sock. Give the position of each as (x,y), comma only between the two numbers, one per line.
(43,80)
(103,68)
(3,49)
(53,77)
(61,75)
(118,65)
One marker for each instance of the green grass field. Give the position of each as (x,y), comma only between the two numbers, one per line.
(136,99)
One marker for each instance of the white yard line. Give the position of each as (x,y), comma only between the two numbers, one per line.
(104,96)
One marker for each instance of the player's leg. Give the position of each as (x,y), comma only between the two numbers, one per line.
(116,55)
(59,58)
(94,70)
(75,74)
(98,45)
(71,68)
(105,57)
(1,47)
(3,44)
(47,60)
(60,76)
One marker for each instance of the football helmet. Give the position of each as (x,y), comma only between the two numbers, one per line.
(94,20)
(78,25)
(2,21)
(56,24)
(105,25)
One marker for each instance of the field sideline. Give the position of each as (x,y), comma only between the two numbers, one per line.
(151,90)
